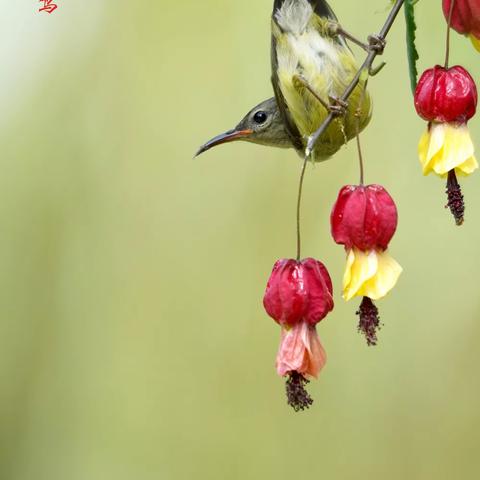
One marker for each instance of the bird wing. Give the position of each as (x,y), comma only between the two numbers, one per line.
(322,9)
(290,127)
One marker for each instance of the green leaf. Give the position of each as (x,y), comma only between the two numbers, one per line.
(412,52)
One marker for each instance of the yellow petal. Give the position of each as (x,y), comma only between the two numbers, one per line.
(430,144)
(445,147)
(458,149)
(385,278)
(361,266)
(369,274)
(475,41)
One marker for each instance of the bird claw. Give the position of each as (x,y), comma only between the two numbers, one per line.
(334,28)
(337,106)
(376,44)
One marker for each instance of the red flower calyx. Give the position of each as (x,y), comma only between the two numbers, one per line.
(297,291)
(446,95)
(364,217)
(465,16)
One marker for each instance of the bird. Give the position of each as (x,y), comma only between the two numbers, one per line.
(263,125)
(312,65)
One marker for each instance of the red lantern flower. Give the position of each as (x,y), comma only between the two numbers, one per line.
(364,217)
(465,18)
(298,296)
(364,220)
(298,291)
(446,95)
(447,99)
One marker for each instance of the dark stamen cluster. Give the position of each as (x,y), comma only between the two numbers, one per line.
(369,321)
(297,397)
(455,203)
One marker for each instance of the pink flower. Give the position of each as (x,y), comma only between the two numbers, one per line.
(298,296)
(300,351)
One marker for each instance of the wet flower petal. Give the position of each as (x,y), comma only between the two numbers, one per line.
(369,274)
(361,267)
(446,95)
(300,351)
(444,147)
(297,291)
(364,216)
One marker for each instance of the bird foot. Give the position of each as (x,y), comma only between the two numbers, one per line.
(376,44)
(337,107)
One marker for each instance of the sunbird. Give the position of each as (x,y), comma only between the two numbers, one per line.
(312,66)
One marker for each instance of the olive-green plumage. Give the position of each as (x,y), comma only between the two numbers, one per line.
(310,66)
(309,61)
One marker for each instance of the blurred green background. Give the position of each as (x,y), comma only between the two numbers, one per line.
(133,341)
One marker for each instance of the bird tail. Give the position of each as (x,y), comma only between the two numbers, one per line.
(320,7)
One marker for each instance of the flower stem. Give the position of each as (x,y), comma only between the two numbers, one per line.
(299,205)
(360,160)
(358,114)
(447,47)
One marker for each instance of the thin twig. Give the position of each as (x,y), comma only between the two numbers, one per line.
(449,24)
(299,204)
(359,145)
(360,160)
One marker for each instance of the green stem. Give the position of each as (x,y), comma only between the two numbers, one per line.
(299,205)
(449,23)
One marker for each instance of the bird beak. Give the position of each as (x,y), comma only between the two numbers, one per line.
(229,136)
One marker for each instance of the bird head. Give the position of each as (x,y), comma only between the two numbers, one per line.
(262,124)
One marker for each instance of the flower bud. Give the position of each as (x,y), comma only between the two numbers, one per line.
(446,95)
(298,290)
(465,18)
(364,217)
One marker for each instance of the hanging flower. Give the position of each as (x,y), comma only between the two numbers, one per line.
(465,18)
(298,296)
(364,220)
(447,99)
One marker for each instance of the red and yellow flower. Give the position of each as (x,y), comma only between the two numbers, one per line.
(364,220)
(447,99)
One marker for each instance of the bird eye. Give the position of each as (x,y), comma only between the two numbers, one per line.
(260,117)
